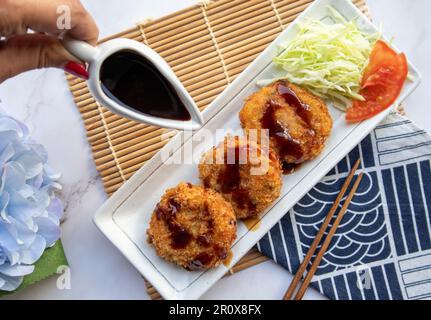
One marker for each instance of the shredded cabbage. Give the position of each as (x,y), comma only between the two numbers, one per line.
(328,59)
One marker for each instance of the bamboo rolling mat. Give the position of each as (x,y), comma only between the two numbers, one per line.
(207,46)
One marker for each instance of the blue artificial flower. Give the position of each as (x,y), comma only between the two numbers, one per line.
(30,212)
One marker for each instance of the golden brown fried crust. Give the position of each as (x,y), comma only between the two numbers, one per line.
(250,187)
(193,227)
(310,134)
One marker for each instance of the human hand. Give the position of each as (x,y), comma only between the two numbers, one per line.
(21,51)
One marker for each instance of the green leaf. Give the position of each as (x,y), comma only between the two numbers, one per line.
(45,267)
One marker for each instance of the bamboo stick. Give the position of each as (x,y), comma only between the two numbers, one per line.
(250,49)
(123,137)
(292,5)
(245,11)
(88,108)
(83,96)
(202,70)
(209,94)
(205,103)
(196,60)
(149,146)
(78,93)
(131,142)
(119,125)
(294,12)
(130,170)
(226,5)
(120,129)
(175,23)
(131,146)
(172,18)
(190,54)
(100,146)
(129,34)
(185,47)
(226,40)
(178,38)
(111,160)
(211,86)
(108,116)
(243,21)
(94,125)
(78,85)
(249,264)
(256,40)
(135,161)
(199,77)
(192,85)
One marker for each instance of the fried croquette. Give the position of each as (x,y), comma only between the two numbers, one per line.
(193,227)
(298,123)
(247,176)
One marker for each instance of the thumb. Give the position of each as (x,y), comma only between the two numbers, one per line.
(33,51)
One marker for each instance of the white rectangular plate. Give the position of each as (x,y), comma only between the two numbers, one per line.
(125,216)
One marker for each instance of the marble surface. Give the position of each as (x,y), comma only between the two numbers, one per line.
(41,99)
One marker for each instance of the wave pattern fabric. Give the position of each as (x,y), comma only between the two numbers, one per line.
(382,249)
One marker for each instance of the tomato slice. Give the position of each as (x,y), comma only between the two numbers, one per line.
(381,53)
(382,83)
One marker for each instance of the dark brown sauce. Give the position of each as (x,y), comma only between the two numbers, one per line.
(136,83)
(280,133)
(220,252)
(200,261)
(204,240)
(228,260)
(286,144)
(252,224)
(302,109)
(230,182)
(230,179)
(242,198)
(180,237)
(289,168)
(203,259)
(207,183)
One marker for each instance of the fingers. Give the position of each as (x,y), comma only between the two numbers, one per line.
(51,16)
(33,51)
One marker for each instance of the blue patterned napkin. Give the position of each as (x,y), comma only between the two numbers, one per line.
(382,249)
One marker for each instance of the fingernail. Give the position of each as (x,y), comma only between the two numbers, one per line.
(77,70)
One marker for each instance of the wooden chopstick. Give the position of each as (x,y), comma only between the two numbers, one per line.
(328,240)
(289,293)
